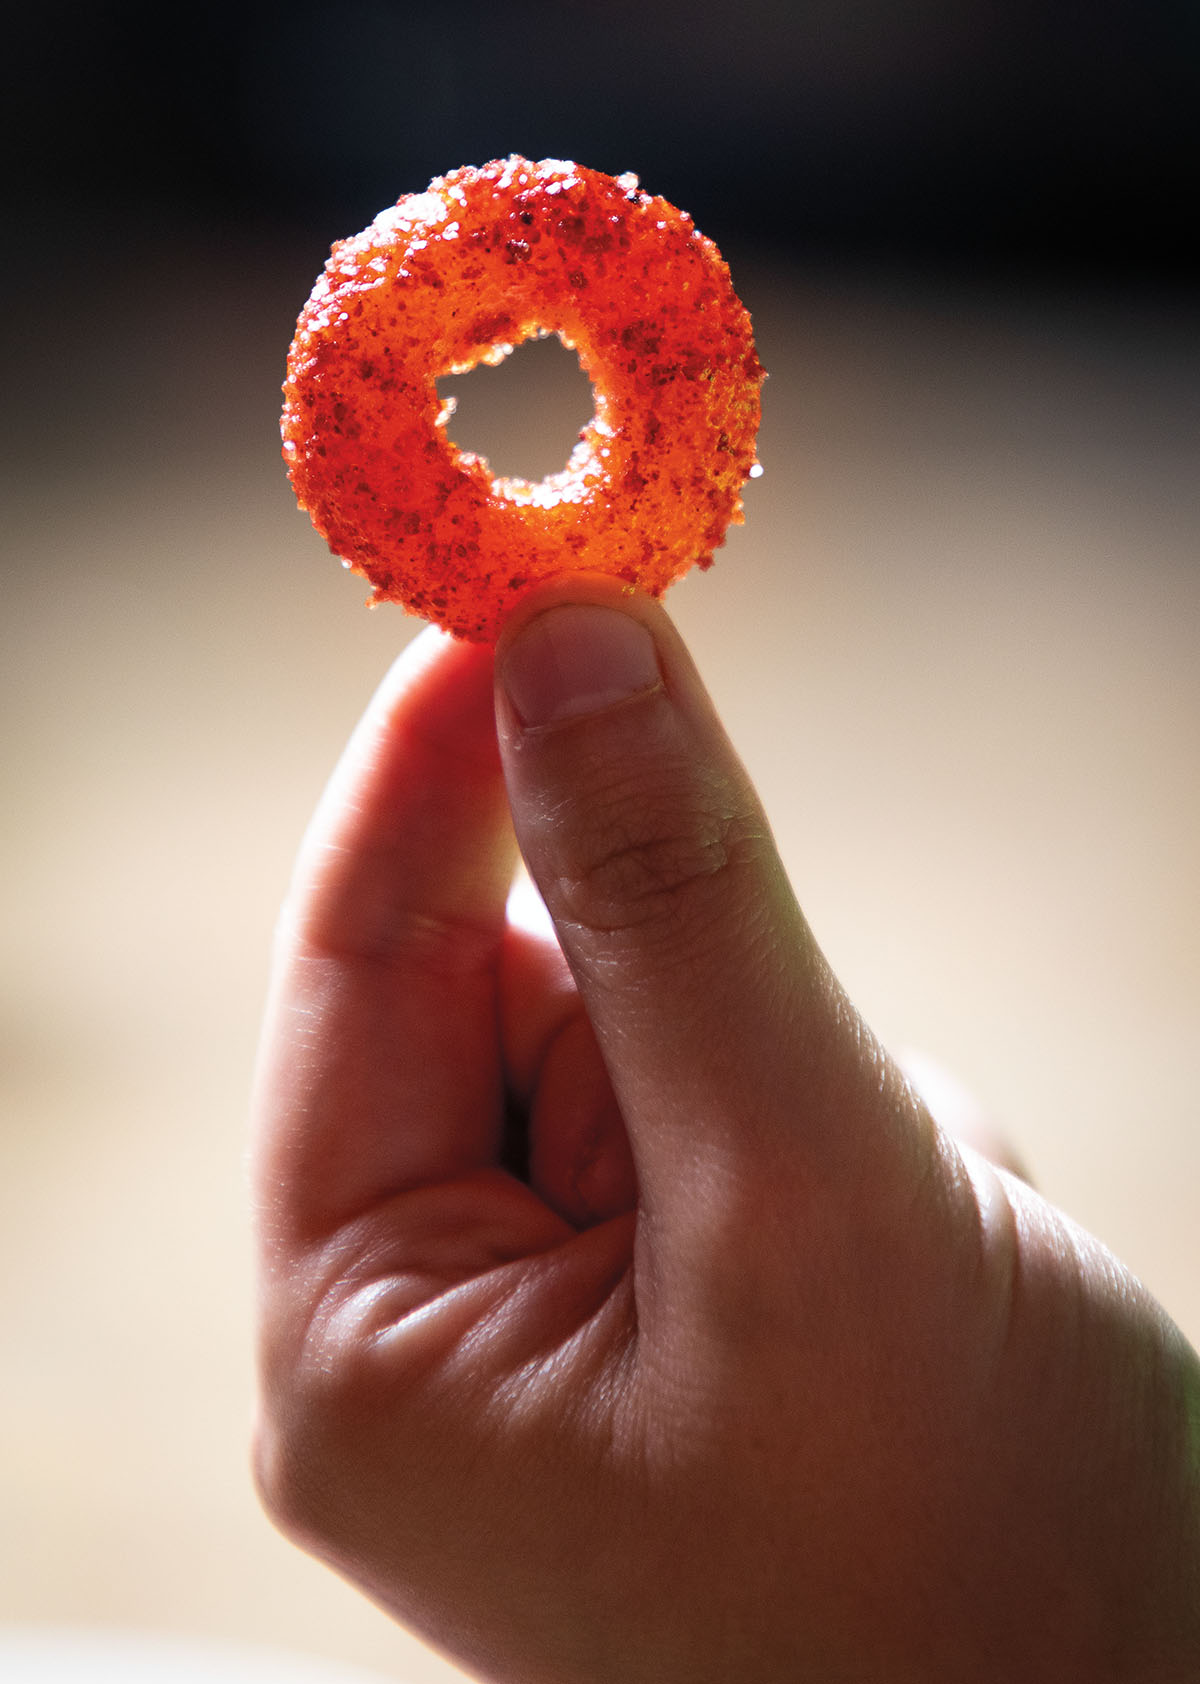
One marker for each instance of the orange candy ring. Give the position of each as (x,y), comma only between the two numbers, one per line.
(459,275)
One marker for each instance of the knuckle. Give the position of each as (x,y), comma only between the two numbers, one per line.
(657,864)
(637,879)
(307,1452)
(310,1397)
(284,1464)
(385,934)
(271,1467)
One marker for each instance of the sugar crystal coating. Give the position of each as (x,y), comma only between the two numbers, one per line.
(460,274)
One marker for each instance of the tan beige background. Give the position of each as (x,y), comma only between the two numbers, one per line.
(956,643)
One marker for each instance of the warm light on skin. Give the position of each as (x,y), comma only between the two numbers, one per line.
(526,908)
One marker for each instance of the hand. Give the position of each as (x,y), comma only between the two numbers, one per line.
(625,1315)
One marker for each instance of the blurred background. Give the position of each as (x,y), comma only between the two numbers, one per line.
(956,641)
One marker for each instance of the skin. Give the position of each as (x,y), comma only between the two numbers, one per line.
(625,1314)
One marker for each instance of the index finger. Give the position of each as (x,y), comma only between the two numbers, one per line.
(379,1068)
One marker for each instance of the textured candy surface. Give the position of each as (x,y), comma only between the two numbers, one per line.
(460,274)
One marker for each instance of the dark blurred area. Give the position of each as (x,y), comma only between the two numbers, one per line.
(968,133)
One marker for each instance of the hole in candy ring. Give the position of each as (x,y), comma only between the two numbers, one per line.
(523,414)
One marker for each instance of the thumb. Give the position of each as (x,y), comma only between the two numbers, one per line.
(726,1038)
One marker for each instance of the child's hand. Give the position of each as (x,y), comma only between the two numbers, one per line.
(748,1374)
